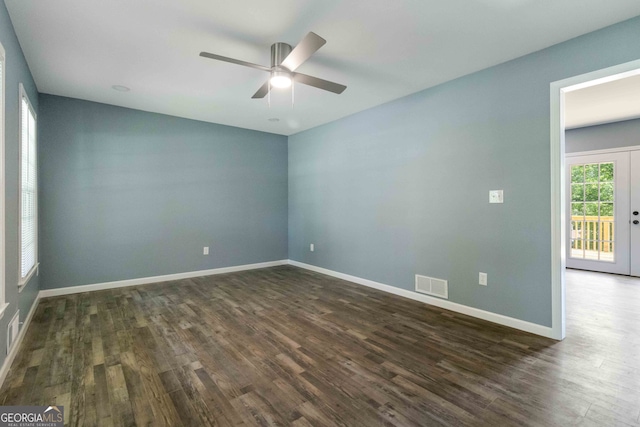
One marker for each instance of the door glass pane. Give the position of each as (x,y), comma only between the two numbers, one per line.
(591,192)
(592,211)
(606,172)
(591,250)
(606,211)
(606,192)
(591,173)
(577,173)
(577,209)
(577,192)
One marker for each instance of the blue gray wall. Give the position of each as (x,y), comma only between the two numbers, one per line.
(127,194)
(611,135)
(17,72)
(403,189)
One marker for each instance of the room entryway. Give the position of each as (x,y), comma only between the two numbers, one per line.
(561,231)
(603,204)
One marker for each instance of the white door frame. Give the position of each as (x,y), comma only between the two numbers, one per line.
(634,199)
(558,213)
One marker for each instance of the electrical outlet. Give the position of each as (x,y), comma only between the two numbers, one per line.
(482,279)
(205,250)
(312,247)
(496,196)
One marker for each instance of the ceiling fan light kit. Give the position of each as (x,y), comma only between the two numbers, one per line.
(280,79)
(284,61)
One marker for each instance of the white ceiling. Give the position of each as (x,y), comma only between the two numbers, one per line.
(380,49)
(604,103)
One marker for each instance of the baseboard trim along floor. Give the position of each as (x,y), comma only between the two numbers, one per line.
(500,319)
(448,305)
(156,279)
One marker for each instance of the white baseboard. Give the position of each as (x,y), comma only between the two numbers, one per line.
(500,319)
(155,279)
(6,365)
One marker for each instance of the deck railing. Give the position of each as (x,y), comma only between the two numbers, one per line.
(596,233)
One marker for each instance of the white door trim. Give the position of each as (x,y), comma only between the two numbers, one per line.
(557,146)
(634,200)
(603,151)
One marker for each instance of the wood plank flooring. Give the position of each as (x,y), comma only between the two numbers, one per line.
(285,346)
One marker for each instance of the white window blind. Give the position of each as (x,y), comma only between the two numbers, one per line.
(28,189)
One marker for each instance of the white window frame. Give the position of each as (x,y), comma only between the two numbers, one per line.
(3,264)
(24,280)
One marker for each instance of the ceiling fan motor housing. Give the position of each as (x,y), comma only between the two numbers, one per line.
(279,51)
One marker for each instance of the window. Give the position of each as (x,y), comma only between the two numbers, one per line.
(28,190)
(592,213)
(3,68)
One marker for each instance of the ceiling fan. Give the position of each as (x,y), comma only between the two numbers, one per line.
(284,61)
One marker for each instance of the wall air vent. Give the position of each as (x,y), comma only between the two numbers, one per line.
(12,330)
(432,286)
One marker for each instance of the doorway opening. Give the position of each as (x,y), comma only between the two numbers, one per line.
(587,207)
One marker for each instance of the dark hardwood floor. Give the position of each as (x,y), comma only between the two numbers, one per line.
(285,346)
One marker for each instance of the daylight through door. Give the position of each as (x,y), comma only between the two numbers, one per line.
(598,205)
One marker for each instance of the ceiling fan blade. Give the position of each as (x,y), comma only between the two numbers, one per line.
(234,61)
(319,83)
(262,92)
(307,47)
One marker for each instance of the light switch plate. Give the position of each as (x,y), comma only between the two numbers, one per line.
(482,279)
(496,196)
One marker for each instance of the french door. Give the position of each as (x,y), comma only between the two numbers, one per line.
(603,212)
